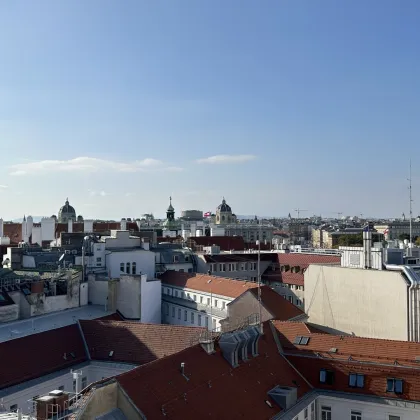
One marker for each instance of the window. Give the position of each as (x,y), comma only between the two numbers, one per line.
(189,296)
(14,408)
(195,297)
(122,267)
(393,417)
(176,293)
(192,317)
(36,397)
(214,324)
(215,303)
(175,259)
(223,305)
(305,414)
(298,302)
(181,270)
(199,320)
(133,268)
(290,299)
(301,340)
(356,415)
(185,316)
(394,385)
(74,385)
(325,413)
(84,382)
(61,387)
(190,270)
(98,259)
(208,301)
(222,267)
(356,380)
(201,299)
(326,377)
(127,268)
(179,313)
(173,311)
(313,411)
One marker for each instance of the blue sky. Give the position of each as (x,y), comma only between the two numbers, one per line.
(118,105)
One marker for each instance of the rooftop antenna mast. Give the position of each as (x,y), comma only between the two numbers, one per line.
(259,280)
(411,216)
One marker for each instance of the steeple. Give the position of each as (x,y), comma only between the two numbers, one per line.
(170,213)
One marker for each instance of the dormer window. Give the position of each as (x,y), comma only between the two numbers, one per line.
(356,380)
(394,385)
(326,377)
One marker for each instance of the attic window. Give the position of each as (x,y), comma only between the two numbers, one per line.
(326,377)
(356,380)
(301,340)
(111,353)
(394,385)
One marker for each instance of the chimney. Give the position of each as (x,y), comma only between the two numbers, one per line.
(182,368)
(208,345)
(367,248)
(145,244)
(70,226)
(123,224)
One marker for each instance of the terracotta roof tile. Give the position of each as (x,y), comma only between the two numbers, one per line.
(134,342)
(226,243)
(116,316)
(35,355)
(239,257)
(279,307)
(214,389)
(13,231)
(359,348)
(98,227)
(219,285)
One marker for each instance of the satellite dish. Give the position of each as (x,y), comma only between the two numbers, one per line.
(61,258)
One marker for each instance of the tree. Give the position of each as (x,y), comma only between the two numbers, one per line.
(418,241)
(404,236)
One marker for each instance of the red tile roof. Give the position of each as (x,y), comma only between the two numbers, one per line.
(214,389)
(35,355)
(375,358)
(226,243)
(219,285)
(134,342)
(13,231)
(296,259)
(279,307)
(239,257)
(116,316)
(98,227)
(359,348)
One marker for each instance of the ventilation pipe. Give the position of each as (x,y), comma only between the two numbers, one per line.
(413,315)
(367,248)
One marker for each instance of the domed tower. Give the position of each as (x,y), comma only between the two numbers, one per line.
(224,214)
(66,213)
(170,222)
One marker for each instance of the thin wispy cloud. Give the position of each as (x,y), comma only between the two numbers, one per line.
(3,187)
(130,194)
(98,193)
(89,164)
(222,159)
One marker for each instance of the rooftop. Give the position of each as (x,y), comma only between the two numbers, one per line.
(11,330)
(35,355)
(210,386)
(206,283)
(134,342)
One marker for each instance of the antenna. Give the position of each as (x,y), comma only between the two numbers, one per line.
(259,279)
(411,216)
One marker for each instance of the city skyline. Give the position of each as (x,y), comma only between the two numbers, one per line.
(276,107)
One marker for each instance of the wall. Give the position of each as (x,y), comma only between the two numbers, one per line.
(9,313)
(368,303)
(242,307)
(151,301)
(93,372)
(28,261)
(98,290)
(293,293)
(84,293)
(125,405)
(145,262)
(47,229)
(183,267)
(341,408)
(128,296)
(103,400)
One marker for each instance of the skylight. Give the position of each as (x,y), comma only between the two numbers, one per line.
(301,340)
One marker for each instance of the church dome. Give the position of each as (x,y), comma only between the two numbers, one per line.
(224,207)
(66,212)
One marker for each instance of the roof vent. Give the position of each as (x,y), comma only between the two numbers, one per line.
(333,350)
(284,396)
(111,353)
(269,403)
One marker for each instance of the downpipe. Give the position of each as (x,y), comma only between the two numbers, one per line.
(413,304)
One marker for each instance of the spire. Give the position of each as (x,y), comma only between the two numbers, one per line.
(24,218)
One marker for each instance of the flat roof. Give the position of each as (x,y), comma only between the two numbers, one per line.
(34,325)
